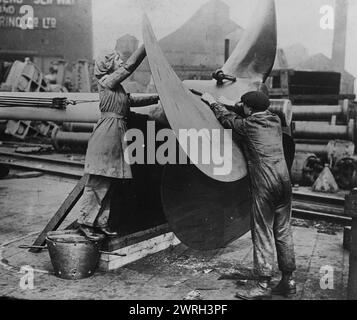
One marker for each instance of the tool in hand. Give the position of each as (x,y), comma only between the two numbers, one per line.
(237,108)
(197,93)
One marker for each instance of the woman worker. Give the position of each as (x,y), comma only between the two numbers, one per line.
(105,162)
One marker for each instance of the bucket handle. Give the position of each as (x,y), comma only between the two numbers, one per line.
(33,247)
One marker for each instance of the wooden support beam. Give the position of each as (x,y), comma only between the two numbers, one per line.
(351,210)
(137,246)
(62,213)
(131,239)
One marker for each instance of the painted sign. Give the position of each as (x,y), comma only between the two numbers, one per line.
(28,14)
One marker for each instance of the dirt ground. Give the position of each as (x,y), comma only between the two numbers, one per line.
(174,274)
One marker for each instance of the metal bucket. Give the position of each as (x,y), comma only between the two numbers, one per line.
(72,255)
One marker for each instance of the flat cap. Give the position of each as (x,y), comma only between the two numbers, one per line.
(256,100)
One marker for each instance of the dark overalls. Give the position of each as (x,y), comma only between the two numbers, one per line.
(261,138)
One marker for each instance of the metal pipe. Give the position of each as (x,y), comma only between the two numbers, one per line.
(333,150)
(84,112)
(62,139)
(87,112)
(78,127)
(317,149)
(323,130)
(320,112)
(311,141)
(284,109)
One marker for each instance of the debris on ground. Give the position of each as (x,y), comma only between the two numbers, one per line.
(177,283)
(241,275)
(301,223)
(242,282)
(193,295)
(321,226)
(207,271)
(327,228)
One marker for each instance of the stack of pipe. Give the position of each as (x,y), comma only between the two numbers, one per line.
(324,123)
(77,134)
(320,112)
(325,131)
(8,102)
(330,150)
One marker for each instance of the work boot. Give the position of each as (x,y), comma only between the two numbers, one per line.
(260,291)
(106,231)
(89,233)
(286,287)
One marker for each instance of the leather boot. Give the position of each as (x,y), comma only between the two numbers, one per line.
(286,287)
(107,232)
(89,233)
(260,291)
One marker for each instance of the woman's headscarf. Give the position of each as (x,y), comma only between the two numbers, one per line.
(104,65)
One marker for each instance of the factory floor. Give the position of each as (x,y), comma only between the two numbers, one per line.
(175,274)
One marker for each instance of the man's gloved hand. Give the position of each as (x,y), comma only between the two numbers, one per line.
(208,98)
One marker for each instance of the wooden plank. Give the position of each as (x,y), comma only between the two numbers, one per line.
(352,279)
(186,112)
(138,251)
(62,212)
(316,207)
(205,214)
(122,242)
(313,215)
(306,192)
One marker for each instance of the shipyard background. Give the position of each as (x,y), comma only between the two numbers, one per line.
(45,159)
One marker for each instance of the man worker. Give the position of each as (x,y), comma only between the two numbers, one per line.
(260,134)
(105,161)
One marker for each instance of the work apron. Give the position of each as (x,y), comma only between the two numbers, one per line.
(106,148)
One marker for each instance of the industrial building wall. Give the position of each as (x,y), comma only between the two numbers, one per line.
(59,29)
